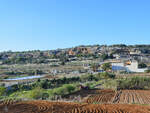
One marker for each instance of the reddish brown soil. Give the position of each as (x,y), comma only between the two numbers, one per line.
(92,96)
(63,107)
(110,96)
(102,96)
(111,102)
(135,96)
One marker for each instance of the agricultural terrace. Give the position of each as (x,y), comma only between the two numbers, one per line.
(97,93)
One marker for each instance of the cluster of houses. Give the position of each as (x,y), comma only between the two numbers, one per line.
(125,58)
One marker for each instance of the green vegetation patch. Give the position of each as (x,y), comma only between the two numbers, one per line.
(134,83)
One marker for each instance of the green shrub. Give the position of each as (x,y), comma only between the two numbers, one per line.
(65,89)
(69,87)
(134,83)
(147,71)
(59,91)
(45,96)
(89,77)
(106,66)
(142,65)
(2,90)
(36,93)
(107,75)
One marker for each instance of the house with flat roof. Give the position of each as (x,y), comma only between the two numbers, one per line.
(129,66)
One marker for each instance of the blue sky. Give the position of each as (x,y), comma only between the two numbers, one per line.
(51,24)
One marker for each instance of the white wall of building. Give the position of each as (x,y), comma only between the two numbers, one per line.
(133,67)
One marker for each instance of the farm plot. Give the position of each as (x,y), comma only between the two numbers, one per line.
(111,108)
(102,96)
(92,96)
(36,107)
(64,107)
(111,96)
(134,96)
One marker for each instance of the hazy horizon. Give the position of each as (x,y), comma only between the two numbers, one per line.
(69,47)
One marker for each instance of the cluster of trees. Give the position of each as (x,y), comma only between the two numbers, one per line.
(97,77)
(106,56)
(64,86)
(107,75)
(55,83)
(134,83)
(39,93)
(142,65)
(28,72)
(2,90)
(44,84)
(106,66)
(24,60)
(48,89)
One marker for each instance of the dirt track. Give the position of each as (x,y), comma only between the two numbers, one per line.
(62,107)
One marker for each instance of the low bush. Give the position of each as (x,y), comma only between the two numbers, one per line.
(134,83)
(36,93)
(65,89)
(107,75)
(142,65)
(147,71)
(2,90)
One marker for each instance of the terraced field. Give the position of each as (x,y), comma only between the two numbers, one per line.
(63,107)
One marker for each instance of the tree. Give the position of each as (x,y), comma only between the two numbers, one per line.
(142,65)
(104,56)
(2,90)
(45,84)
(45,96)
(91,77)
(62,63)
(36,93)
(111,56)
(69,88)
(106,66)
(95,67)
(107,75)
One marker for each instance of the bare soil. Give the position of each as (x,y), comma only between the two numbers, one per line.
(64,107)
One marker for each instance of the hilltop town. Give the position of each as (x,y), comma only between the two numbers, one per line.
(80,59)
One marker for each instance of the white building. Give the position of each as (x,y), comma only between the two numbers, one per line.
(133,67)
(130,66)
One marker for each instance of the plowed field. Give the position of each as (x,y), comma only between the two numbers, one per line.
(62,107)
(102,96)
(92,96)
(110,96)
(135,96)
